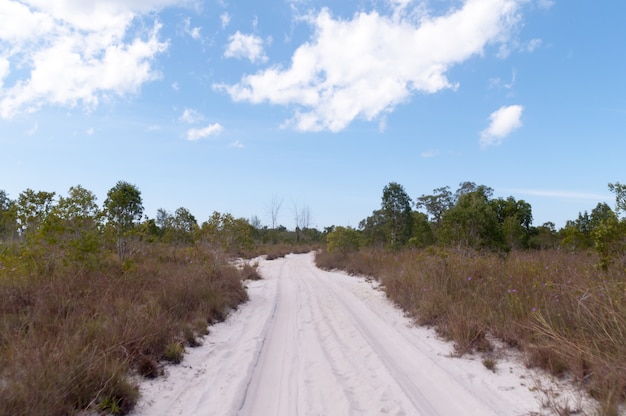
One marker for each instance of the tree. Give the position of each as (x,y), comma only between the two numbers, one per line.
(436,204)
(303,219)
(472,222)
(74,224)
(124,209)
(184,225)
(343,240)
(515,219)
(620,196)
(32,209)
(374,230)
(273,210)
(422,232)
(8,216)
(397,213)
(224,233)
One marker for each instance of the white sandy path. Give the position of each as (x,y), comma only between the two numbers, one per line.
(310,342)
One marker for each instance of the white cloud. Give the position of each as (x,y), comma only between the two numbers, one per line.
(5,67)
(33,130)
(502,123)
(225,19)
(246,47)
(210,130)
(363,67)
(190,116)
(429,154)
(90,131)
(545,4)
(175,86)
(498,83)
(237,144)
(561,194)
(194,32)
(72,52)
(533,44)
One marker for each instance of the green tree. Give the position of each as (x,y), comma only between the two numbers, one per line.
(73,224)
(544,236)
(124,209)
(343,240)
(8,216)
(620,196)
(472,222)
(436,204)
(374,230)
(397,214)
(32,209)
(422,232)
(225,233)
(515,219)
(184,226)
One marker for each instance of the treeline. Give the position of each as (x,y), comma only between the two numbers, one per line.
(74,228)
(471,218)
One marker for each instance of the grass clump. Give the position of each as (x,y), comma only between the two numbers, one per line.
(565,313)
(71,336)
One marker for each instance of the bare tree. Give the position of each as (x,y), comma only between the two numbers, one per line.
(255,221)
(273,209)
(302,217)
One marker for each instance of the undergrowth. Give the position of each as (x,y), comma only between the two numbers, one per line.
(71,335)
(565,313)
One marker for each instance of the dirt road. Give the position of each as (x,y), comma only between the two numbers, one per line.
(310,342)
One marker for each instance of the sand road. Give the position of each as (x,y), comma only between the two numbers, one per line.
(311,342)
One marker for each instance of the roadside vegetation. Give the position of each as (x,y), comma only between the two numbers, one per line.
(94,297)
(475,269)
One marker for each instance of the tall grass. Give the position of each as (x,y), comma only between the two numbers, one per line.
(566,314)
(70,338)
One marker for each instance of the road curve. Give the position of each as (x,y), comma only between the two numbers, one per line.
(311,342)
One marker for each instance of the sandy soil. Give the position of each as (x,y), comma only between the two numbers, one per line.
(310,342)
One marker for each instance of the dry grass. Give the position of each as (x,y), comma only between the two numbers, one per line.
(558,307)
(69,339)
(275,251)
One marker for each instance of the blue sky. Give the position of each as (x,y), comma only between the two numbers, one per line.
(227,105)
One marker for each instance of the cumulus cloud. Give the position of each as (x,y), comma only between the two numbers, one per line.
(428,154)
(202,133)
(194,32)
(70,52)
(365,66)
(502,123)
(4,69)
(245,47)
(190,116)
(225,19)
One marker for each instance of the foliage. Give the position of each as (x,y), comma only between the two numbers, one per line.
(124,209)
(8,217)
(472,222)
(436,204)
(124,206)
(343,240)
(619,190)
(225,233)
(398,218)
